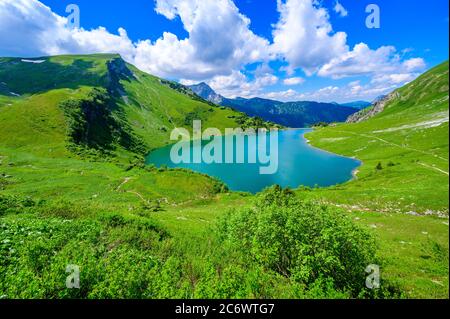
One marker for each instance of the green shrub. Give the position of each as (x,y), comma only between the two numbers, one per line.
(302,241)
(15,205)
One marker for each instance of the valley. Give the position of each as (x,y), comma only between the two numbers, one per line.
(77,191)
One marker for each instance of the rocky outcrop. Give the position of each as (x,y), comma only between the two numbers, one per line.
(205,91)
(370,112)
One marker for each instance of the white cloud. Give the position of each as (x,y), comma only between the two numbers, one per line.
(219,41)
(352,91)
(305,39)
(362,61)
(29,28)
(339,9)
(304,36)
(219,46)
(394,78)
(415,64)
(287,95)
(237,84)
(294,81)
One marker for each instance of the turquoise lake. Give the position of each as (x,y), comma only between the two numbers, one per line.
(299,164)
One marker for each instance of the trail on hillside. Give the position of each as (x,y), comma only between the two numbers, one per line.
(126,180)
(435,168)
(397,145)
(405,147)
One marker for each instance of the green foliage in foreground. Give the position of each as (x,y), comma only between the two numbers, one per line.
(302,241)
(268,256)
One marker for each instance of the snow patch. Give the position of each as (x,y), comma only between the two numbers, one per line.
(33,61)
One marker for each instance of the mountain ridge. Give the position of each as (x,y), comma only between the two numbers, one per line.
(290,114)
(144,106)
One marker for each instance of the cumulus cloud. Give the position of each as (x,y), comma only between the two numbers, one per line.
(287,95)
(29,28)
(362,61)
(219,45)
(219,41)
(237,84)
(352,91)
(294,81)
(304,36)
(414,64)
(339,9)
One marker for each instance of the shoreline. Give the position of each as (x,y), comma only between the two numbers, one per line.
(300,133)
(354,172)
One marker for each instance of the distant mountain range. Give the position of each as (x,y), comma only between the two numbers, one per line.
(291,114)
(357,104)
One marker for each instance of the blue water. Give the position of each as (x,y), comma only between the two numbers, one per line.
(299,164)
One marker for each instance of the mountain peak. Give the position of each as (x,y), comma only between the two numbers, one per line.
(205,91)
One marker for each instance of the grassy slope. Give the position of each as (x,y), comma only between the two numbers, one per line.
(34,162)
(414,180)
(33,130)
(152,108)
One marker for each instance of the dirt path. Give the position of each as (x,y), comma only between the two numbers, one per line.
(138,195)
(126,180)
(435,168)
(407,148)
(396,145)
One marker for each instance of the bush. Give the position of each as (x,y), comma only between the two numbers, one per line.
(14,204)
(302,241)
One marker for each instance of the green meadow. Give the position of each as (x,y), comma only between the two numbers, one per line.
(74,190)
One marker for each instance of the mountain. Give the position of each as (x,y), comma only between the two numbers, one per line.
(379,98)
(403,143)
(97,104)
(357,104)
(74,188)
(290,114)
(205,91)
(368,112)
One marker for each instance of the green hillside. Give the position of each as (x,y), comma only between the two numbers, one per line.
(402,188)
(77,127)
(410,140)
(146,106)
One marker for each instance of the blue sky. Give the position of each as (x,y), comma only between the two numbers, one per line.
(293,50)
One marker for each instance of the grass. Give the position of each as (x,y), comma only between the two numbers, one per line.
(403,184)
(413,155)
(112,199)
